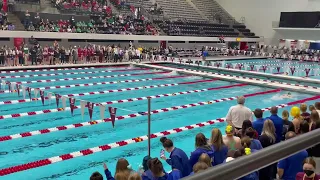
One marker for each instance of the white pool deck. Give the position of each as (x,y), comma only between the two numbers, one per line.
(219,58)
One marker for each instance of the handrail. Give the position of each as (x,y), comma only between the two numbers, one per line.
(267,156)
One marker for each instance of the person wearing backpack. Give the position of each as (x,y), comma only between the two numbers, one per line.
(218,147)
(202,146)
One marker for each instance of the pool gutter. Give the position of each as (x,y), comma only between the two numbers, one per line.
(234,79)
(65,66)
(242,72)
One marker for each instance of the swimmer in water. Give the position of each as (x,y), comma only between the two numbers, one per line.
(286,73)
(288,96)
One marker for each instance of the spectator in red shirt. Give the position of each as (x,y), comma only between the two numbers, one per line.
(84,5)
(94,2)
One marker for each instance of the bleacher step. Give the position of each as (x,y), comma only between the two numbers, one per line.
(16,21)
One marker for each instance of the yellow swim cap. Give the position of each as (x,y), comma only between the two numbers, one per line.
(247,151)
(229,129)
(295,111)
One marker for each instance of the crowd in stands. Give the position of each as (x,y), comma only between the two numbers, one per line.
(122,4)
(93,6)
(109,24)
(4,22)
(53,54)
(244,136)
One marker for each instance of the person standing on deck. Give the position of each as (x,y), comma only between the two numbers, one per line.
(238,113)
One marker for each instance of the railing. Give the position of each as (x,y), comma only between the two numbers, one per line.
(267,156)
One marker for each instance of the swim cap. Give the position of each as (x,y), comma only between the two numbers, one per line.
(295,111)
(229,130)
(247,151)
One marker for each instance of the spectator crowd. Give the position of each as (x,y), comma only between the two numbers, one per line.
(244,136)
(33,53)
(109,24)
(4,22)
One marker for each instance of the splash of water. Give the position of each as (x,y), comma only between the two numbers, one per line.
(246,67)
(258,67)
(173,73)
(223,63)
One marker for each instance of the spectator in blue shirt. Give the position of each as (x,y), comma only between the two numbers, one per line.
(201,147)
(178,158)
(258,123)
(289,167)
(246,143)
(145,171)
(219,148)
(244,152)
(277,121)
(96,176)
(255,143)
(158,172)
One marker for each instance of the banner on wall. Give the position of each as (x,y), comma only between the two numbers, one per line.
(282,42)
(293,44)
(18,42)
(5,5)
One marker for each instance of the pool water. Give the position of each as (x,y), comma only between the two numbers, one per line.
(24,150)
(204,68)
(284,65)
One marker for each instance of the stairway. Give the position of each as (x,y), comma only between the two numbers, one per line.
(12,18)
(198,10)
(46,7)
(225,16)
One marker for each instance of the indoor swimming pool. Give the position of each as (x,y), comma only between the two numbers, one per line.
(50,137)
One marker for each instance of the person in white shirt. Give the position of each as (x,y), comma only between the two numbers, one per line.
(238,113)
(138,53)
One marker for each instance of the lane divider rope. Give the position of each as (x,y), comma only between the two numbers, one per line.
(73,73)
(133,89)
(58,69)
(86,78)
(133,115)
(93,150)
(86,85)
(89,84)
(33,113)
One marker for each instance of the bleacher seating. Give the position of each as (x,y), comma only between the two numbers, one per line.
(93,8)
(113,24)
(207,7)
(179,9)
(27,1)
(184,18)
(195,28)
(243,29)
